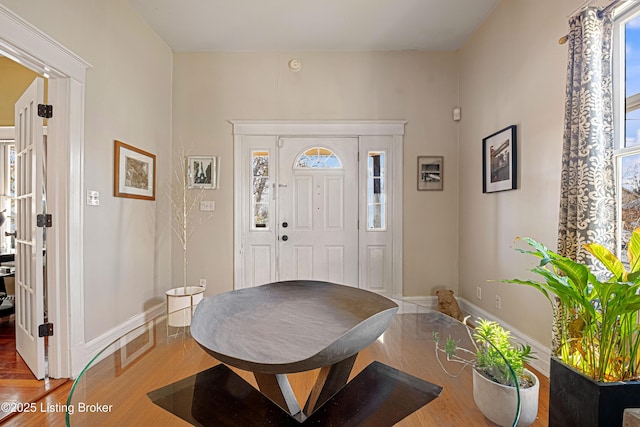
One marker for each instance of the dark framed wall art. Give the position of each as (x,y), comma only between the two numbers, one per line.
(203,172)
(430,173)
(500,161)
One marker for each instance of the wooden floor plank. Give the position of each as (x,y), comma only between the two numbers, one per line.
(17,382)
(124,383)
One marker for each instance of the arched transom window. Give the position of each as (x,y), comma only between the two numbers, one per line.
(318,158)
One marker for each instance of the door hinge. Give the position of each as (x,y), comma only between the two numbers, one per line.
(44,220)
(45,330)
(45,111)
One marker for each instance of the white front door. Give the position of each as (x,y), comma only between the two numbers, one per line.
(317,208)
(29,238)
(336,185)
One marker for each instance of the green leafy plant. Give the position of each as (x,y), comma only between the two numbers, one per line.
(494,355)
(598,318)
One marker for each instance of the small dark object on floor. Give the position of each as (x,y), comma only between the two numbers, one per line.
(448,305)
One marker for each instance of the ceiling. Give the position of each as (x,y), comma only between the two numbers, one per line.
(316,25)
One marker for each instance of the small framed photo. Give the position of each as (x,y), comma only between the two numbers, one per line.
(430,173)
(203,172)
(499,161)
(134,172)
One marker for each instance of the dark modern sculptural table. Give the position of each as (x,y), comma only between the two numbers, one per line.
(150,377)
(287,327)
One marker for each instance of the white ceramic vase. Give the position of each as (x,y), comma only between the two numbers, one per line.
(181,303)
(499,402)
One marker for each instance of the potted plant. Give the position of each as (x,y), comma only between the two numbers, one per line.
(596,371)
(182,300)
(501,383)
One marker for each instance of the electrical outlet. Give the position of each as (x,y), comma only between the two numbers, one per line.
(478,292)
(203,283)
(498,302)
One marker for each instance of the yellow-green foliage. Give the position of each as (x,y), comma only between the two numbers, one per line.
(494,348)
(599,319)
(493,355)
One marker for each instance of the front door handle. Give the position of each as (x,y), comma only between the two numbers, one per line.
(285,238)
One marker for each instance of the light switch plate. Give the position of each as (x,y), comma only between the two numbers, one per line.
(207,206)
(93,198)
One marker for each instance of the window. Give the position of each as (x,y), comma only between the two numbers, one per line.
(376,197)
(318,158)
(261,191)
(8,193)
(627,124)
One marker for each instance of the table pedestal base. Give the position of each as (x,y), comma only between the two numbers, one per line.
(330,380)
(377,396)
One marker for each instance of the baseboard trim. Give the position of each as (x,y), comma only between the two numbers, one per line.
(542,362)
(96,345)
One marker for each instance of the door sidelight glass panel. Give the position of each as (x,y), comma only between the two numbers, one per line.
(376,198)
(260,197)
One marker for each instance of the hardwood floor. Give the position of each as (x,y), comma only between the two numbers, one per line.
(17,383)
(151,361)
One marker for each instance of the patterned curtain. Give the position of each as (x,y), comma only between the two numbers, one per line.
(587,199)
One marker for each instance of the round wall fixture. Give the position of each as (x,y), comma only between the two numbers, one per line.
(295,65)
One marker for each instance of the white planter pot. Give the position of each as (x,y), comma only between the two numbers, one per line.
(181,304)
(498,402)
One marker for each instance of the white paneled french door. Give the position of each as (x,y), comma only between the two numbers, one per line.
(29,238)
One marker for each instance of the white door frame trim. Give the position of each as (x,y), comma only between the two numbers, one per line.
(27,45)
(337,128)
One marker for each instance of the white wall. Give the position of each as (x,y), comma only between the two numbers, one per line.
(212,88)
(512,71)
(128,97)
